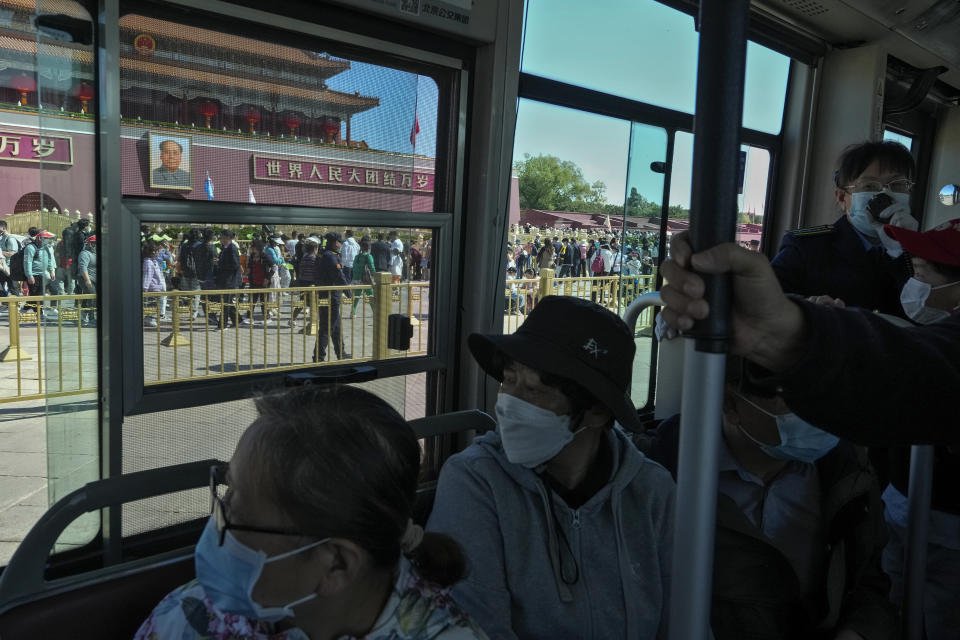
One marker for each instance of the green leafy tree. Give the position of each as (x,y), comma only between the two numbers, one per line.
(549,183)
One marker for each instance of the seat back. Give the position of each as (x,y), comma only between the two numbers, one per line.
(112,601)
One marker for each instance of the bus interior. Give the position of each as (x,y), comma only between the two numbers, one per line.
(431,119)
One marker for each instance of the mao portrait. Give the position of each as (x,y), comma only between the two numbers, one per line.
(170,162)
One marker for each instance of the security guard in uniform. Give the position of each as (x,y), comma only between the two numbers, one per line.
(330,273)
(853,259)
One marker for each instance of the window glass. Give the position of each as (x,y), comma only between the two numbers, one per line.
(638,49)
(49,444)
(752,189)
(212,432)
(204,316)
(569,186)
(642,50)
(765,88)
(212,116)
(893,136)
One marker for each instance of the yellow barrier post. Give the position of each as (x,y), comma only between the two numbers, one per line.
(546,283)
(13,351)
(175,339)
(313,326)
(382,297)
(414,322)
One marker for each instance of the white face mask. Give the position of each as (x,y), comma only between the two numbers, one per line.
(913,299)
(861,218)
(531,436)
(799,440)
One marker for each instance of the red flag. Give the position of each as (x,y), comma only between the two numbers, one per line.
(414,130)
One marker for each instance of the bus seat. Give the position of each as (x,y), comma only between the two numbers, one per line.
(106,608)
(669,382)
(440,425)
(86,605)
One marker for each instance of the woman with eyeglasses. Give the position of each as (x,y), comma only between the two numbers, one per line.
(311,534)
(853,261)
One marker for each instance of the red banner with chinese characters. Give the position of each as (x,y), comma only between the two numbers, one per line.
(339,174)
(38,147)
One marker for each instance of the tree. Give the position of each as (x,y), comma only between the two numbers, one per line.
(637,205)
(549,183)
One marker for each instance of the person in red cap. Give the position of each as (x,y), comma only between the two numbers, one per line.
(87,274)
(39,264)
(932,293)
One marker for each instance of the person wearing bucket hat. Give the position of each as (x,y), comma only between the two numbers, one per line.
(566,525)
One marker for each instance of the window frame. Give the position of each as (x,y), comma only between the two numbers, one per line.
(355,35)
(545,90)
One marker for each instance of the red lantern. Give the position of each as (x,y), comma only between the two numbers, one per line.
(252,117)
(292,121)
(24,84)
(330,128)
(83,93)
(208,110)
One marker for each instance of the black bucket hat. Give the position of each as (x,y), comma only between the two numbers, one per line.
(574,339)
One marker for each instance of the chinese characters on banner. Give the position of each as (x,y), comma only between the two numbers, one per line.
(283,170)
(25,147)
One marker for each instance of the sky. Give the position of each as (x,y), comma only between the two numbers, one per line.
(387,126)
(639,49)
(642,50)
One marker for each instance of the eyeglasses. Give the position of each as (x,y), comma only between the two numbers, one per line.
(218,508)
(900,185)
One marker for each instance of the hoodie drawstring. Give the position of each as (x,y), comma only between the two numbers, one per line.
(556,561)
(625,569)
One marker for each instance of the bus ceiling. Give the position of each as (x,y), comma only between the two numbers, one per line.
(921,33)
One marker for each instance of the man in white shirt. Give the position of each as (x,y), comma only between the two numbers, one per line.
(395,241)
(348,252)
(291,245)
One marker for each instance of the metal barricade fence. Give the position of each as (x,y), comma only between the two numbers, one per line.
(613,292)
(49,352)
(221,333)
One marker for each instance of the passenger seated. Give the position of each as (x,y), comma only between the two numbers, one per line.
(799,525)
(567,527)
(314,537)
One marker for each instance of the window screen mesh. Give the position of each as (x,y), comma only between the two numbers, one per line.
(178,436)
(213,116)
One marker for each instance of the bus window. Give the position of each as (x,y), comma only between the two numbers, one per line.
(214,116)
(640,245)
(641,50)
(570,187)
(903,139)
(370,274)
(49,360)
(765,88)
(753,189)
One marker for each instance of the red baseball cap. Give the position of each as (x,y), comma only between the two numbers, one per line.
(940,244)
(46,234)
(92,238)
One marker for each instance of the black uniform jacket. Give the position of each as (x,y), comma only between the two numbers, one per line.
(831,260)
(867,380)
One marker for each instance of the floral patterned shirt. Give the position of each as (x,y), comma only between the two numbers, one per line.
(416,610)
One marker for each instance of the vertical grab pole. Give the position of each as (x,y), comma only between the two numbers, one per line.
(713,206)
(915,549)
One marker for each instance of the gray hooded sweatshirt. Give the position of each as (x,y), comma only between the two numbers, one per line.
(521,579)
